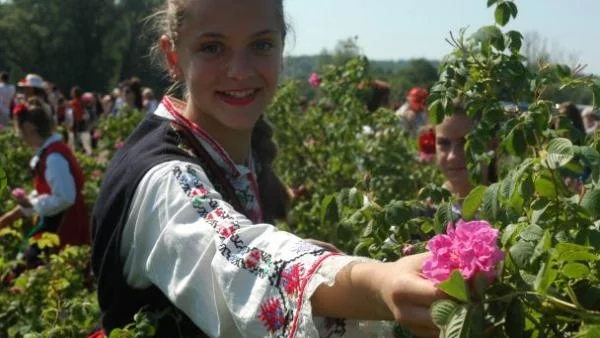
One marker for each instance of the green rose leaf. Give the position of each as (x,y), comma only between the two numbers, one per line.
(491,203)
(591,202)
(455,286)
(472,202)
(442,311)
(545,277)
(515,319)
(502,13)
(575,270)
(475,322)
(568,252)
(455,327)
(560,152)
(596,91)
(521,253)
(513,9)
(3,180)
(544,185)
(443,216)
(329,209)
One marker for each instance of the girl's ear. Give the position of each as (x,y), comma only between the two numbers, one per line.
(171,58)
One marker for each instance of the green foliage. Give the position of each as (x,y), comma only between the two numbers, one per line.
(339,144)
(96,43)
(358,183)
(54,300)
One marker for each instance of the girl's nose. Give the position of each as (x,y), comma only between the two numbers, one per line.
(240,67)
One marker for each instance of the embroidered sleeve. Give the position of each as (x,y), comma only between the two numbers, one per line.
(231,277)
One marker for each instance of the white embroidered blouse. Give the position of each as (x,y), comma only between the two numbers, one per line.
(232,276)
(60,179)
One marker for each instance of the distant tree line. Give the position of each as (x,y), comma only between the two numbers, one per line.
(97,43)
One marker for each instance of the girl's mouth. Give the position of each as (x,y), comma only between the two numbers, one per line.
(238,97)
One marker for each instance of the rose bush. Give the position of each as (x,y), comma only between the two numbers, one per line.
(359,182)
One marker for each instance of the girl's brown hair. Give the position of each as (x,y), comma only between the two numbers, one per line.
(36,113)
(274,195)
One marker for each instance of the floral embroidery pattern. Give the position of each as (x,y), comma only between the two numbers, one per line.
(287,274)
(291,278)
(272,315)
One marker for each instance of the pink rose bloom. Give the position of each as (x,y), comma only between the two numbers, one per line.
(97,135)
(19,193)
(119,145)
(471,248)
(314,80)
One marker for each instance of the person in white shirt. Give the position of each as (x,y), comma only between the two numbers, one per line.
(413,114)
(57,198)
(590,120)
(150,103)
(185,214)
(7,93)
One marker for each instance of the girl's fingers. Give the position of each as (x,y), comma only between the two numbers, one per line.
(418,320)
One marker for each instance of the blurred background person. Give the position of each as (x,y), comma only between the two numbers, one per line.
(413,113)
(149,101)
(590,120)
(7,94)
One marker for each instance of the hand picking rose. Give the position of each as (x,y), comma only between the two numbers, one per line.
(470,248)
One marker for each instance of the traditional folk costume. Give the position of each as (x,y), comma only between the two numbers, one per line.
(57,200)
(179,229)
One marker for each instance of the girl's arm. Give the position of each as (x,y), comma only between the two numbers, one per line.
(229,275)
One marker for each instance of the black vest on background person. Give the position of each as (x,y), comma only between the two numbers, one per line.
(153,142)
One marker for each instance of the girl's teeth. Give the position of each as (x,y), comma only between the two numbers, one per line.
(240,93)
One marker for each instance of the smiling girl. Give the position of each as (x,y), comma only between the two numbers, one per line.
(183,224)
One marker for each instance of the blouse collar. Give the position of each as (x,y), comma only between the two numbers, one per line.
(172,108)
(49,141)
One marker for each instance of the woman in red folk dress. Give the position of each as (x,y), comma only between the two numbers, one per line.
(57,200)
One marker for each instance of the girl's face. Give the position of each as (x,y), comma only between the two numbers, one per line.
(229,53)
(128,95)
(27,132)
(450,148)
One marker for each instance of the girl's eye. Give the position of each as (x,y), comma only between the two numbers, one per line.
(443,143)
(263,45)
(212,48)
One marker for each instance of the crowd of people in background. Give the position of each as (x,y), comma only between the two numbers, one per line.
(77,111)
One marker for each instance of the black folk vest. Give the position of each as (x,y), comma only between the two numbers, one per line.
(156,140)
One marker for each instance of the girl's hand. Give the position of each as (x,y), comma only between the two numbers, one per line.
(23,201)
(409,296)
(20,196)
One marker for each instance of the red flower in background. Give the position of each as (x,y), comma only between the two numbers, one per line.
(427,142)
(427,145)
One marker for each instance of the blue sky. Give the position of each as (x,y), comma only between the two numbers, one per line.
(403,29)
